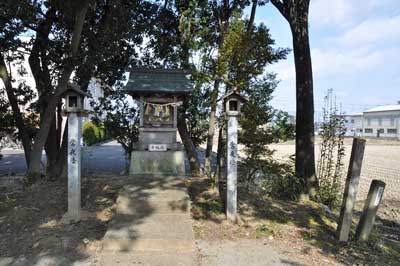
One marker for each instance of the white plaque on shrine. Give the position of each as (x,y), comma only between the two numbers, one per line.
(157,147)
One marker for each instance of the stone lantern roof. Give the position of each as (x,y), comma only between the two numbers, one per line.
(158,81)
(72,87)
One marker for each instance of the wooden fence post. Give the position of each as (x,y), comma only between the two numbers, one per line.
(350,191)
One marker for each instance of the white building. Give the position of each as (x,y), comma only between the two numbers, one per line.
(378,122)
(354,125)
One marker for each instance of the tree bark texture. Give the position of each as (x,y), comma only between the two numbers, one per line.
(46,121)
(211,128)
(191,152)
(296,13)
(23,131)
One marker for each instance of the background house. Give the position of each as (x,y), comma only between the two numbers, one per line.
(378,122)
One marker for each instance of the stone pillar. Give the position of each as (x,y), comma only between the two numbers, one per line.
(231,201)
(74,166)
(350,191)
(175,113)
(141,110)
(370,209)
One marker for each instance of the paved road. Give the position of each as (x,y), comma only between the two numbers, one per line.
(105,158)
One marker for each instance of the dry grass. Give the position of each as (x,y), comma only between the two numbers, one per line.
(31,220)
(304,231)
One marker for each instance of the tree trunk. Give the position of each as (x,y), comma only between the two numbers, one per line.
(41,136)
(220,173)
(190,149)
(53,149)
(211,128)
(296,13)
(59,167)
(22,130)
(305,154)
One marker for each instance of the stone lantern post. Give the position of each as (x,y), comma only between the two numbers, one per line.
(74,110)
(232,105)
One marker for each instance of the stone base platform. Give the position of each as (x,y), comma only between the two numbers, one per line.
(157,163)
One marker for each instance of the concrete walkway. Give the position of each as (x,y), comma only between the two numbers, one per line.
(152,226)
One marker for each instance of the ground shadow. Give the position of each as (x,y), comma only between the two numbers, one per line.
(308,222)
(317,226)
(31,232)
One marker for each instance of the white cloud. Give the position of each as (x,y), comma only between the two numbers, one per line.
(382,31)
(285,69)
(324,12)
(331,63)
(342,13)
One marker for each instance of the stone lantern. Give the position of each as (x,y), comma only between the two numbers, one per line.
(233,102)
(74,110)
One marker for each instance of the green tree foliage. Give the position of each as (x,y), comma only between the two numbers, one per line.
(55,27)
(284,128)
(93,133)
(100,40)
(330,163)
(260,126)
(120,118)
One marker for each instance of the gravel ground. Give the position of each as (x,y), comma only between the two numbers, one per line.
(381,161)
(241,253)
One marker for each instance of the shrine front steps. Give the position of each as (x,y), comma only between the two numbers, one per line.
(147,259)
(152,225)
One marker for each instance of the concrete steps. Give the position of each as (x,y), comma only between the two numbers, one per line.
(152,225)
(147,259)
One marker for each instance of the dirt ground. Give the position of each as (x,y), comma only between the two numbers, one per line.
(302,232)
(269,232)
(31,224)
(381,161)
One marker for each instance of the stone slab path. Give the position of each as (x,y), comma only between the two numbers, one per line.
(152,225)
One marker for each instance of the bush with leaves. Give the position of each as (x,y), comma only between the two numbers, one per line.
(120,118)
(330,163)
(262,125)
(93,133)
(280,181)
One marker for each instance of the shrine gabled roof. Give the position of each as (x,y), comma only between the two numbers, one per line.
(148,81)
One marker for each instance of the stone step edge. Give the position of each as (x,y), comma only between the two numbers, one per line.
(170,245)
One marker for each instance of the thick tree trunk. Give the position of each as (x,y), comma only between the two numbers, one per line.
(59,166)
(41,136)
(22,130)
(190,149)
(211,128)
(220,172)
(296,13)
(52,148)
(305,154)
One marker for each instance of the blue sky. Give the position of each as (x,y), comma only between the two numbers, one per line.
(355,47)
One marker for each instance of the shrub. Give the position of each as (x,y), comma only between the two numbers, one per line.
(276,179)
(93,133)
(330,163)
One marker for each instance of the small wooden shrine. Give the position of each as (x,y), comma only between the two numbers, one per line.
(159,92)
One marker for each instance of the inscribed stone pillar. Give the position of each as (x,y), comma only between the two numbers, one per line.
(350,191)
(74,166)
(371,206)
(231,203)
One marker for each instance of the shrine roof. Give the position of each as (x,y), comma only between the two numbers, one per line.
(148,81)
